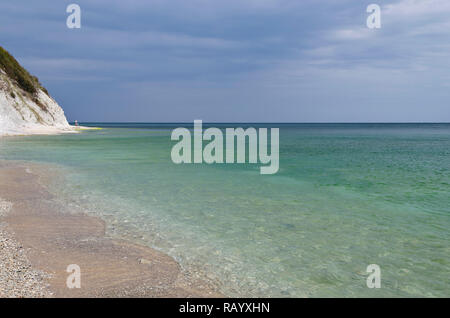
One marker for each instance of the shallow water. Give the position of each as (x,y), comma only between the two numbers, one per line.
(346,196)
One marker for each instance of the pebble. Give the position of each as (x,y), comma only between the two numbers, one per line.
(17,278)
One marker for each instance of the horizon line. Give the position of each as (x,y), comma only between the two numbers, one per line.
(244,122)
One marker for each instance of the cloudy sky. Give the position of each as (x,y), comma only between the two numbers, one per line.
(237,60)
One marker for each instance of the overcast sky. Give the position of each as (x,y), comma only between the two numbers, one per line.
(237,60)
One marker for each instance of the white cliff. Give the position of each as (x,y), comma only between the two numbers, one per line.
(23,112)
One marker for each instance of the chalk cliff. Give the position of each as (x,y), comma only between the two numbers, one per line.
(25,105)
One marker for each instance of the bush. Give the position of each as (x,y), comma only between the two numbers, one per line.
(16,72)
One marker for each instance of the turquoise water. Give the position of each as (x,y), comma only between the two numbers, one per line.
(346,196)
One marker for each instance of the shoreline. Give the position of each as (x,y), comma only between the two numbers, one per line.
(18,279)
(45,130)
(51,240)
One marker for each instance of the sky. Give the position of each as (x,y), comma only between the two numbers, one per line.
(237,60)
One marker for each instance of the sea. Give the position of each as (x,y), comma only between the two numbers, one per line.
(346,196)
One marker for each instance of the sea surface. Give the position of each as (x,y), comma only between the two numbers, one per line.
(346,196)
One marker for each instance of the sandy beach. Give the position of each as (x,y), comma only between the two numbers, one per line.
(38,242)
(43,130)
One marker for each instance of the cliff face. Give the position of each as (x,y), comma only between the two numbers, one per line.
(25,106)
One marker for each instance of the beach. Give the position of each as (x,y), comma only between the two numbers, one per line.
(17,276)
(232,149)
(42,130)
(345,196)
(39,243)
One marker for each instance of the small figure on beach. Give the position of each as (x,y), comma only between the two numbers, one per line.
(76,123)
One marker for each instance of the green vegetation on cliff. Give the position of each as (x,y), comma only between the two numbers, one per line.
(16,72)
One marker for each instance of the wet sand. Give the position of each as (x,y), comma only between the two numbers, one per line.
(53,240)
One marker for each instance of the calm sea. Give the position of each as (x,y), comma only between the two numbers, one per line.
(346,196)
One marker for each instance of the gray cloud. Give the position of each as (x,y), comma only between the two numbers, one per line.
(235,60)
